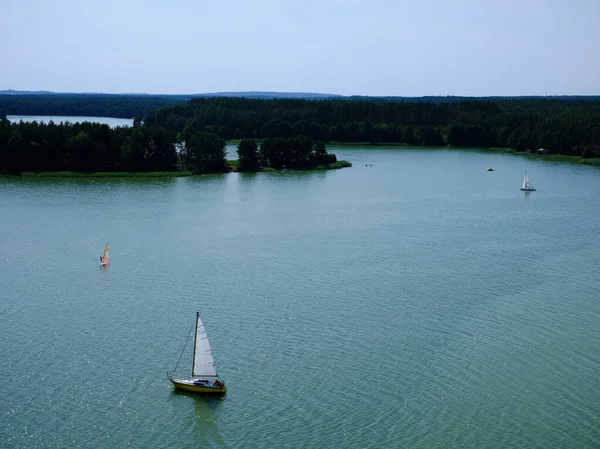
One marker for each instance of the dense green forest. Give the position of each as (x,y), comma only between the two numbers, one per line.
(83,147)
(561,126)
(169,132)
(93,147)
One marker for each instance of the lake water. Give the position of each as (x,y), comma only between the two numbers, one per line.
(416,302)
(111,121)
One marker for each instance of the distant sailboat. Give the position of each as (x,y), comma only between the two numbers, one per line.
(204,374)
(104,258)
(527,187)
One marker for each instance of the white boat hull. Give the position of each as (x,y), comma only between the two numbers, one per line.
(196,386)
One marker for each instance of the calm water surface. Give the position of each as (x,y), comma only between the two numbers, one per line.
(416,302)
(111,121)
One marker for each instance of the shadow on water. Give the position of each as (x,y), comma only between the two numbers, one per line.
(204,421)
(211,400)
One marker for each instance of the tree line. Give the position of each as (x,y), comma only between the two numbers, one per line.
(84,147)
(192,134)
(94,147)
(295,152)
(82,105)
(561,126)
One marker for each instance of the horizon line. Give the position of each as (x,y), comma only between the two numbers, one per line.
(288,93)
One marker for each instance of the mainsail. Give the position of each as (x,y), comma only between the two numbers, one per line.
(204,364)
(526,184)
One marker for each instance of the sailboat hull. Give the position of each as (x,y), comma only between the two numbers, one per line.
(190,385)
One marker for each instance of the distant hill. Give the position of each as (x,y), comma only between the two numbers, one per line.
(455,99)
(126,105)
(25,92)
(15,102)
(305,96)
(259,94)
(185,97)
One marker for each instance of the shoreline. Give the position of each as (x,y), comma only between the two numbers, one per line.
(232,164)
(592,162)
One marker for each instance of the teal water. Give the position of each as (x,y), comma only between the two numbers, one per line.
(417,302)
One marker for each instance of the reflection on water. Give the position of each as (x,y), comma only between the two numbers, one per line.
(211,401)
(204,421)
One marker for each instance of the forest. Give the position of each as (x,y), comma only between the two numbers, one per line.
(93,147)
(170,133)
(559,126)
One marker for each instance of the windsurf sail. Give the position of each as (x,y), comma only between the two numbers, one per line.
(105,257)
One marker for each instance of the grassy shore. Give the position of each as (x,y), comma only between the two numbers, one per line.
(592,161)
(369,144)
(339,164)
(546,157)
(233,166)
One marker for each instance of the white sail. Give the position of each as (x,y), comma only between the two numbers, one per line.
(204,364)
(526,184)
(525,181)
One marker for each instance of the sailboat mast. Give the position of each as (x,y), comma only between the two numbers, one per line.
(195,338)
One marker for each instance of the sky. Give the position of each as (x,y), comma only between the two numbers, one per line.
(347,47)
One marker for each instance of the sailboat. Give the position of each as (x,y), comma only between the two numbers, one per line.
(204,374)
(104,258)
(527,187)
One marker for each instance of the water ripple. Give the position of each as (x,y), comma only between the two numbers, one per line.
(343,310)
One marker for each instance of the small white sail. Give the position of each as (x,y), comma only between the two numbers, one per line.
(526,184)
(204,364)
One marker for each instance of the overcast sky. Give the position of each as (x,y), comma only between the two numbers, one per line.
(362,47)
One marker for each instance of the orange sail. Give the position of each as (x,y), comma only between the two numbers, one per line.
(105,257)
